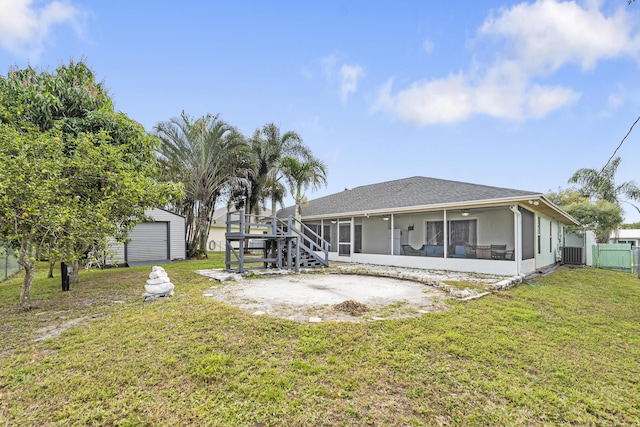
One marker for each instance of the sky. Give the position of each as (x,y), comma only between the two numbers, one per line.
(502,93)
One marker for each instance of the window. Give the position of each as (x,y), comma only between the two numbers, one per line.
(435,233)
(461,232)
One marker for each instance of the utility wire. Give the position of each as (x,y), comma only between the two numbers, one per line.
(620,145)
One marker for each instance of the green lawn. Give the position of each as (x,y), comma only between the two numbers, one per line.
(564,350)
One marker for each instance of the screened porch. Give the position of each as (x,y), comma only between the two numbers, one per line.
(483,233)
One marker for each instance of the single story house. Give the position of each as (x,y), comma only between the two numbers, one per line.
(439,224)
(154,242)
(630,235)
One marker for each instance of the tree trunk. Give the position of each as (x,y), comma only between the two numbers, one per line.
(298,211)
(51,265)
(201,233)
(73,276)
(26,261)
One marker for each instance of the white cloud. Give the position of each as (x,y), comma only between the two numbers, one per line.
(349,76)
(540,101)
(614,102)
(24,27)
(548,34)
(329,66)
(529,42)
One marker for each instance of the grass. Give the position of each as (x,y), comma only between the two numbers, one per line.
(565,352)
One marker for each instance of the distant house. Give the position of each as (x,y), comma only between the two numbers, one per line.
(433,223)
(156,242)
(216,238)
(631,236)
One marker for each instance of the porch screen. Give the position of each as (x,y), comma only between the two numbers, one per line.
(435,233)
(462,232)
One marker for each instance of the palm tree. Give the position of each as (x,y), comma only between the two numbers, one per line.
(209,157)
(302,173)
(270,146)
(600,185)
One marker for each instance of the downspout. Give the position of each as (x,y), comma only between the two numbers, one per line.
(517,246)
(391,235)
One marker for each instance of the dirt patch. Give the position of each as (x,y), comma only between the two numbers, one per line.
(54,330)
(354,308)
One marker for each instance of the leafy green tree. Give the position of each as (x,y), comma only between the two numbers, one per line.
(301,174)
(600,216)
(210,158)
(30,187)
(631,226)
(80,172)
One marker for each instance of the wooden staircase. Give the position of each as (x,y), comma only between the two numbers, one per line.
(272,243)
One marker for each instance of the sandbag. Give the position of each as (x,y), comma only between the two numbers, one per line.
(158,280)
(162,288)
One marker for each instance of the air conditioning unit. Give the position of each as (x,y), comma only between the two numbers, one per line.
(571,255)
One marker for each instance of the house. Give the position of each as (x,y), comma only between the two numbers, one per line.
(155,242)
(216,238)
(631,235)
(439,224)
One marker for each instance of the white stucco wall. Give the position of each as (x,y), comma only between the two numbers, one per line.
(375,236)
(501,268)
(492,229)
(546,248)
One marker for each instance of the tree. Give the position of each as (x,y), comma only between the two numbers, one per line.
(270,146)
(600,216)
(79,171)
(30,187)
(631,226)
(302,173)
(208,156)
(600,185)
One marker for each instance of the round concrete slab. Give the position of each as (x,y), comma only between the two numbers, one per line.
(304,296)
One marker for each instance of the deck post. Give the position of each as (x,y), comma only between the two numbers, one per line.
(297,263)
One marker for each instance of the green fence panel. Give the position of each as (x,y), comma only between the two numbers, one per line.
(613,256)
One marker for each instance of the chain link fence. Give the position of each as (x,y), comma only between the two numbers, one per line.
(8,263)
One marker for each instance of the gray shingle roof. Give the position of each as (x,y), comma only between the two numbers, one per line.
(404,193)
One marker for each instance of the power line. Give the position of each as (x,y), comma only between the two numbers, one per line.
(619,145)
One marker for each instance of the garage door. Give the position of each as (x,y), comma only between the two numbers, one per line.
(148,242)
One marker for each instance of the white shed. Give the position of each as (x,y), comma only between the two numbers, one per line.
(156,242)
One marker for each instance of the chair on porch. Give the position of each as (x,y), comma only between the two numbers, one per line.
(483,252)
(459,251)
(409,250)
(498,251)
